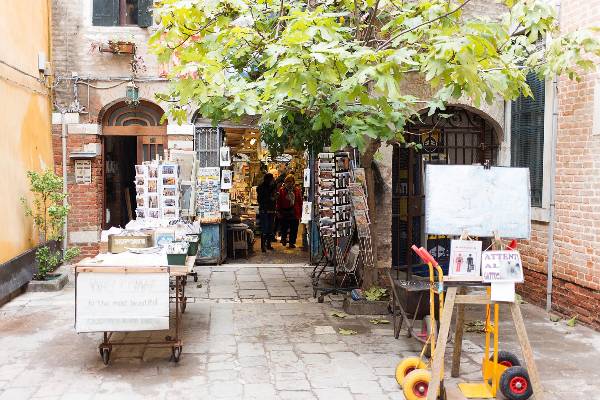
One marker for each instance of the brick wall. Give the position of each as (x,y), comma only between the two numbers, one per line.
(85,217)
(576,274)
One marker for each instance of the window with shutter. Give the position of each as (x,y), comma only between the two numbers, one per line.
(527,136)
(144,18)
(105,12)
(122,12)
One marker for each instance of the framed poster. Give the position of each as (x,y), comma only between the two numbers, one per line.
(224,204)
(83,172)
(226,179)
(501,266)
(224,157)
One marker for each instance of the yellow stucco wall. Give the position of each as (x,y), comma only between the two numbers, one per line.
(25,115)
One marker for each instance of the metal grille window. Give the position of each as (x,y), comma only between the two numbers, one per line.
(208,142)
(527,136)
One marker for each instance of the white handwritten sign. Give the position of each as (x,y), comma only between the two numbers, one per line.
(501,266)
(121,302)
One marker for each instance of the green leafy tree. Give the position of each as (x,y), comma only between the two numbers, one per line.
(339,64)
(49,216)
(333,69)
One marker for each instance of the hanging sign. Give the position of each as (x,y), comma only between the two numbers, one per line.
(501,266)
(307,177)
(83,172)
(306,211)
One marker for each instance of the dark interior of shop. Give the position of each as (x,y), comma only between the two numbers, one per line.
(120,155)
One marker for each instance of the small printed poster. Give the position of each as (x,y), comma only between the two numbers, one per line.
(465,258)
(307,177)
(83,172)
(224,157)
(501,266)
(226,178)
(306,211)
(224,204)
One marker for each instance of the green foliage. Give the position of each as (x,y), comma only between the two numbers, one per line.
(47,260)
(347,332)
(375,293)
(47,209)
(49,215)
(333,71)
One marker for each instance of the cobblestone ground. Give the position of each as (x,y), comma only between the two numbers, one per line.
(256,333)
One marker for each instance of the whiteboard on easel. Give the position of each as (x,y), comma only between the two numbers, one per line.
(119,302)
(479,201)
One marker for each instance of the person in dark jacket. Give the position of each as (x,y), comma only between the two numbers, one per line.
(289,205)
(267,200)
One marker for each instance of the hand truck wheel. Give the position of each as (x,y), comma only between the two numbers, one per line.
(105,354)
(416,384)
(515,384)
(176,353)
(407,366)
(321,299)
(196,278)
(507,359)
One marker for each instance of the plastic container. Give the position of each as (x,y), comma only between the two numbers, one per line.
(176,259)
(193,240)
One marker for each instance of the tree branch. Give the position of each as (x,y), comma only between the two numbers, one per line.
(385,44)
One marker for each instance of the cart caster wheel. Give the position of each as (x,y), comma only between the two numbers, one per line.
(105,353)
(176,353)
(168,338)
(407,366)
(507,359)
(321,299)
(314,293)
(195,278)
(515,384)
(416,384)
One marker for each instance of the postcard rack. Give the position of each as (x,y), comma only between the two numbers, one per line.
(334,217)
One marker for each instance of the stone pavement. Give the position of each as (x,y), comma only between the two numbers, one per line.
(264,347)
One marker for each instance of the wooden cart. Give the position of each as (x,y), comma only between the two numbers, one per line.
(111,289)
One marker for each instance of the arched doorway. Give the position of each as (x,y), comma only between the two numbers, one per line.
(453,136)
(131,135)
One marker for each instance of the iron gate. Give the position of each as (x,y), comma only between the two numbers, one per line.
(455,137)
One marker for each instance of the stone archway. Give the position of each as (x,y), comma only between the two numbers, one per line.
(457,135)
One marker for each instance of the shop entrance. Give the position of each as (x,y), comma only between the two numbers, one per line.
(250,162)
(456,136)
(131,135)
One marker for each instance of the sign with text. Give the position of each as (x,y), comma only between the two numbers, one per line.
(501,266)
(121,301)
(83,172)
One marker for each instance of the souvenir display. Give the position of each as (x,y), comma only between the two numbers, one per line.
(333,196)
(157,190)
(208,188)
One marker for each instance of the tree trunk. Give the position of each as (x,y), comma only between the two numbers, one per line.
(367,159)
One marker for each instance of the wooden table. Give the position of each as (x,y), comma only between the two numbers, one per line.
(147,275)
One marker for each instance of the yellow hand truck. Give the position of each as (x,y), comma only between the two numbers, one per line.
(412,373)
(501,370)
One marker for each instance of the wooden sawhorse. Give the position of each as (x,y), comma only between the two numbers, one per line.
(452,299)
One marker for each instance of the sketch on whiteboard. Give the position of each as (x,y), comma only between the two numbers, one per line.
(478,201)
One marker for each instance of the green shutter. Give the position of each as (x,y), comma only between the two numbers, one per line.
(106,13)
(527,136)
(145,13)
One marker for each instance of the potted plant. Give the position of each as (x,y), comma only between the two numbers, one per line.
(49,216)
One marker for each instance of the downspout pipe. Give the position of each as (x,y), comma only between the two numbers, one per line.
(63,137)
(550,254)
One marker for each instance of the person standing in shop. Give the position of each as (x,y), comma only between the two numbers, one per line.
(289,205)
(266,194)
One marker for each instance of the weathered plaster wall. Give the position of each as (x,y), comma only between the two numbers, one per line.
(25,142)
